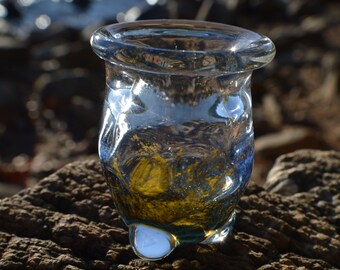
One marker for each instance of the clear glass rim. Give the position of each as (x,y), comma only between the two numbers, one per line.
(244,49)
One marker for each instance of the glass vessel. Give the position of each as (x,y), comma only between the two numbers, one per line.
(176,141)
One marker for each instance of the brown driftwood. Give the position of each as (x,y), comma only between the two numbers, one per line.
(68,222)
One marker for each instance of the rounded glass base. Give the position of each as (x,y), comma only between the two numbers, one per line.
(221,234)
(151,243)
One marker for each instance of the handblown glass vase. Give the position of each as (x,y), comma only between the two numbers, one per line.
(176,141)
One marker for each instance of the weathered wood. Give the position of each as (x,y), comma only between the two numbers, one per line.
(68,221)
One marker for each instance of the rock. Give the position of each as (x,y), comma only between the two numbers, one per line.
(69,54)
(58,150)
(287,140)
(44,254)
(314,24)
(7,189)
(301,7)
(330,84)
(12,50)
(69,100)
(66,83)
(303,170)
(272,111)
(10,96)
(17,132)
(15,172)
(331,36)
(70,222)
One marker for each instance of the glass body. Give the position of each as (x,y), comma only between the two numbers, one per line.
(176,141)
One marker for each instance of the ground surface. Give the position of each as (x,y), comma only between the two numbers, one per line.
(67,221)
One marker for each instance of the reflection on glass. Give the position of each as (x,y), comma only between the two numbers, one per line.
(176,142)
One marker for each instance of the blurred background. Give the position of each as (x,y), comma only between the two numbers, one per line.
(51,83)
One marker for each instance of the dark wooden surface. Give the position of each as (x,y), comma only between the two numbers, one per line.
(68,221)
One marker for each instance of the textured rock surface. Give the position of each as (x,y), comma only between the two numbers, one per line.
(68,222)
(275,144)
(303,170)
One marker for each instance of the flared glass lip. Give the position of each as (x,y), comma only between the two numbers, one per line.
(182,47)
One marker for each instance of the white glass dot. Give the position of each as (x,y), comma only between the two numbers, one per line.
(151,243)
